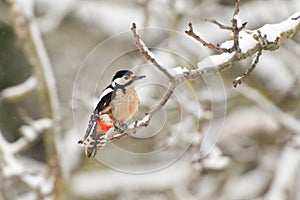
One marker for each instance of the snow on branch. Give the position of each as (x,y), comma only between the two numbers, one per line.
(236,27)
(245,43)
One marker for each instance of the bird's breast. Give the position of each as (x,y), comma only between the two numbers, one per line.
(125,105)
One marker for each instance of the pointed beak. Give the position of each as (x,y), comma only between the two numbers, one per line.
(138,77)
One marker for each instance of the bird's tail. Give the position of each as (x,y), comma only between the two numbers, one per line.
(94,138)
(93,143)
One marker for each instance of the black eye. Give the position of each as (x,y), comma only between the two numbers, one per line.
(126,77)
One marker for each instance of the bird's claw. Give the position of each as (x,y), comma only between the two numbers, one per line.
(120,126)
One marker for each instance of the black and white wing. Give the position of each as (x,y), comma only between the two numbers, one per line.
(93,139)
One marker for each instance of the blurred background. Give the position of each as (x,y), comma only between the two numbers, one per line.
(210,141)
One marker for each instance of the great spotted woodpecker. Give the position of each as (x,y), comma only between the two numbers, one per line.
(118,102)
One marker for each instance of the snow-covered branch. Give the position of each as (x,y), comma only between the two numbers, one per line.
(268,37)
(240,79)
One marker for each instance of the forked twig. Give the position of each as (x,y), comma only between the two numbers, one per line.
(241,78)
(235,28)
(211,46)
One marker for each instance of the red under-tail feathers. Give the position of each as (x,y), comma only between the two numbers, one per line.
(95,136)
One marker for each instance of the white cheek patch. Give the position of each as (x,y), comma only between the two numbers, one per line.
(119,81)
(105,92)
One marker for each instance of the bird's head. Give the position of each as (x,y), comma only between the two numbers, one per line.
(125,77)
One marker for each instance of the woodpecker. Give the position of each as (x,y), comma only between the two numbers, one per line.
(118,102)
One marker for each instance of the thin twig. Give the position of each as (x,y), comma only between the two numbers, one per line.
(296,18)
(164,99)
(262,39)
(236,7)
(147,53)
(221,26)
(241,78)
(236,30)
(191,33)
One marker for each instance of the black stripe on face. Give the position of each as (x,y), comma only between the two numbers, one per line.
(122,87)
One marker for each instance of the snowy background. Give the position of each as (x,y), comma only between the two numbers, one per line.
(211,140)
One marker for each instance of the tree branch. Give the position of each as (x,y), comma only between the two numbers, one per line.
(147,53)
(245,43)
(211,64)
(236,27)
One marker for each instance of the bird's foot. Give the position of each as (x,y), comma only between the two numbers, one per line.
(120,126)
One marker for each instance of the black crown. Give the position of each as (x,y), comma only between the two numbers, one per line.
(121,73)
